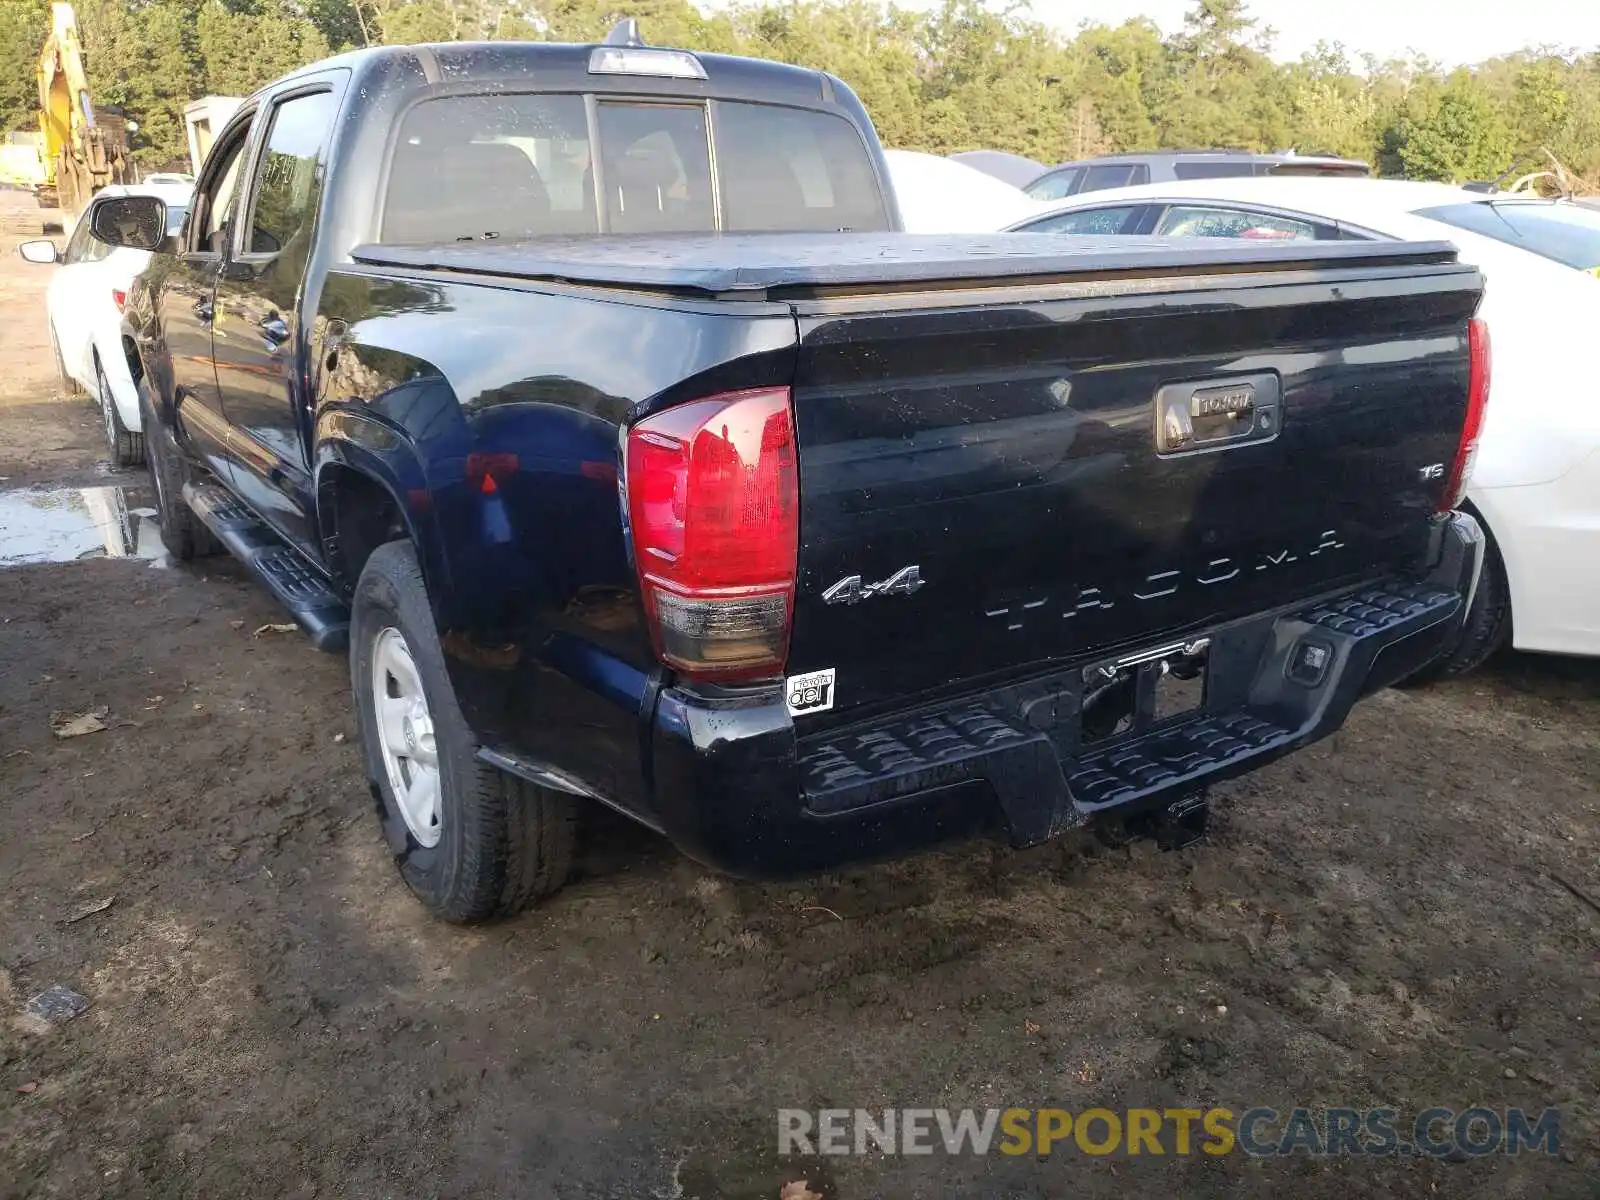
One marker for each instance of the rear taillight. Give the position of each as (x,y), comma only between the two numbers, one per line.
(119,298)
(488,472)
(1455,488)
(713,496)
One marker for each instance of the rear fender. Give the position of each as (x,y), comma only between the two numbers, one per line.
(352,441)
(119,377)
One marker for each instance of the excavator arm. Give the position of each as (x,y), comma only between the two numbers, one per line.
(85,147)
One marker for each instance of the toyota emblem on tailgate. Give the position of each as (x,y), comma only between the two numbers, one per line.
(1213,414)
(1223,402)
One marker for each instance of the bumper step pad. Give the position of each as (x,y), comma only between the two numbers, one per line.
(282,569)
(1041,791)
(1374,609)
(912,755)
(1165,757)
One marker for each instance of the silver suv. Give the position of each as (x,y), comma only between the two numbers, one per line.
(1164,166)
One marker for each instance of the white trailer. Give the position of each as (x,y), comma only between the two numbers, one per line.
(203,119)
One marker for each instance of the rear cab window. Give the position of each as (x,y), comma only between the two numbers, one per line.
(1564,233)
(522,165)
(657,167)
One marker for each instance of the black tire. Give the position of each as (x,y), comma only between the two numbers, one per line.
(127,447)
(181,531)
(69,385)
(1486,629)
(503,842)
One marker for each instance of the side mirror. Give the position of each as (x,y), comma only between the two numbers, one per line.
(39,252)
(138,222)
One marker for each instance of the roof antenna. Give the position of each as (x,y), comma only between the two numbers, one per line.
(625,33)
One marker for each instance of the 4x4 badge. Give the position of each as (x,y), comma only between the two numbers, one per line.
(850,589)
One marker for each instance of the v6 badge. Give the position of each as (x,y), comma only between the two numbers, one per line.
(809,693)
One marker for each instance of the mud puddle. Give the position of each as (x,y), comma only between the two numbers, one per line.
(46,525)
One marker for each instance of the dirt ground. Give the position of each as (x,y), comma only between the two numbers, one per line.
(271,1015)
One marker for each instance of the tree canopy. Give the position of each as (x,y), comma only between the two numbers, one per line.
(957,77)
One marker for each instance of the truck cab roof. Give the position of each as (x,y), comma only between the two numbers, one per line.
(565,67)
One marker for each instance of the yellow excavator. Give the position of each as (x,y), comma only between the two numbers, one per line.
(85,147)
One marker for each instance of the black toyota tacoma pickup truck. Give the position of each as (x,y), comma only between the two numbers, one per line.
(590,397)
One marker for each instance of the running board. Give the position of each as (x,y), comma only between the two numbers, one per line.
(284,571)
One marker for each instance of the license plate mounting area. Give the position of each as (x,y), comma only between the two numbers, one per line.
(1127,696)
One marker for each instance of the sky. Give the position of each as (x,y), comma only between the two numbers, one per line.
(1449,31)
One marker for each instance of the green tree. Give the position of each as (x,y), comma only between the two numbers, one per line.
(144,58)
(1219,88)
(870,48)
(23,27)
(1002,73)
(342,23)
(961,75)
(426,21)
(242,48)
(1332,110)
(1121,71)
(1458,136)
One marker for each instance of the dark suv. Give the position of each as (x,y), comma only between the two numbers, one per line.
(1129,170)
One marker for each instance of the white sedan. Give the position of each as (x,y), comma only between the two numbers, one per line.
(84,303)
(1535,485)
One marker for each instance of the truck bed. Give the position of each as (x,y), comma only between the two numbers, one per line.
(774,265)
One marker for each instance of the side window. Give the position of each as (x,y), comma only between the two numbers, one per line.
(80,240)
(96,250)
(288,180)
(1089,222)
(1190,221)
(1212,169)
(213,203)
(1109,176)
(1054,186)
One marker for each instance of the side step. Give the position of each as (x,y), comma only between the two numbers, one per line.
(299,586)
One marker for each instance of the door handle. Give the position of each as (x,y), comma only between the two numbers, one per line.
(274,331)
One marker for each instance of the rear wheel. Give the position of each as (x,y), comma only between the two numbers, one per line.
(182,532)
(1486,629)
(472,842)
(127,447)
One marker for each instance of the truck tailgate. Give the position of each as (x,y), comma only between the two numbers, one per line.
(998,479)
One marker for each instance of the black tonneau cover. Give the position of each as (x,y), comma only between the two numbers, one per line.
(764,262)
